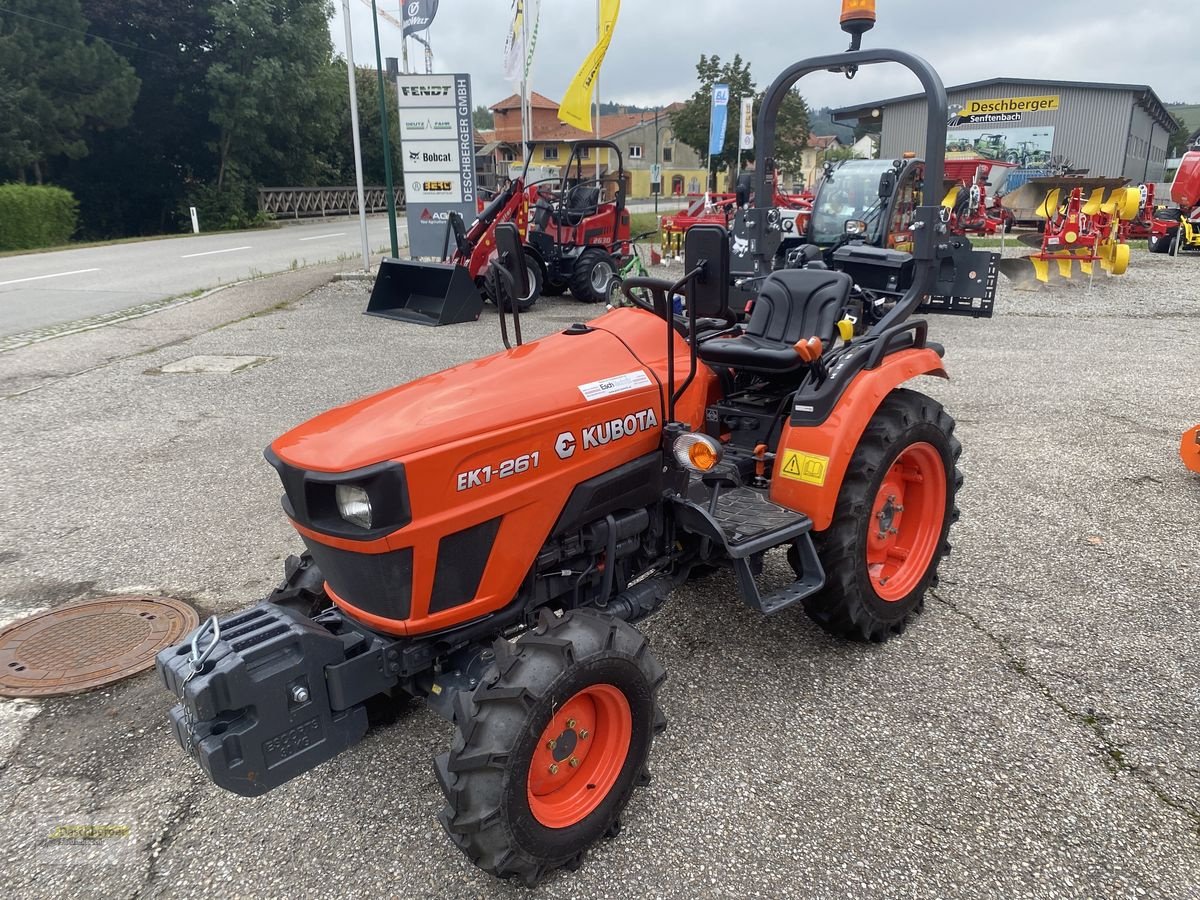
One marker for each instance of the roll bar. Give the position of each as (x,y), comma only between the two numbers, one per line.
(927,225)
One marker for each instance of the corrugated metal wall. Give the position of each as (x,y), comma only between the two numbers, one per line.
(1092,128)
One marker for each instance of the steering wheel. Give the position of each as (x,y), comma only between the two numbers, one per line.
(659,288)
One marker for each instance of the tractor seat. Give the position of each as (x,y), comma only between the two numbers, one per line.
(582,201)
(793,305)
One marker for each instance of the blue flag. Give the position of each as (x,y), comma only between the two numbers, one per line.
(720,117)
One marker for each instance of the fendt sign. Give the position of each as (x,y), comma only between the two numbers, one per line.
(438,155)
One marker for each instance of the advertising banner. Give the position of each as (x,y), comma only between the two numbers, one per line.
(576,106)
(1024,147)
(437,148)
(1002,110)
(718,120)
(418,15)
(747,142)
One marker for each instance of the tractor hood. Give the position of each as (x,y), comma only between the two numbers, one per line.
(543,379)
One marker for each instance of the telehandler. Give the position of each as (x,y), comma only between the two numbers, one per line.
(486,538)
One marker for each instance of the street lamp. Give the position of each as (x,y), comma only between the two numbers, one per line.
(658,156)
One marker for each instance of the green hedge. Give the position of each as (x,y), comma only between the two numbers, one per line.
(33,216)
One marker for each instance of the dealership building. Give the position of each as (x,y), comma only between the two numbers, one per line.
(1107,130)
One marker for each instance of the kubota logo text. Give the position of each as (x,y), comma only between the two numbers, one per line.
(605,433)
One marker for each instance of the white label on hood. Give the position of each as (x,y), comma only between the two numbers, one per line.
(618,384)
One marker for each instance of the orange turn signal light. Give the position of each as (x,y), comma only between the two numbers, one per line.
(702,456)
(698,452)
(857,14)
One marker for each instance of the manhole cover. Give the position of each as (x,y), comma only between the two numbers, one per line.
(81,646)
(213,365)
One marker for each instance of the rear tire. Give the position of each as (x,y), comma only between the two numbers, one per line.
(593,272)
(880,559)
(515,804)
(1162,244)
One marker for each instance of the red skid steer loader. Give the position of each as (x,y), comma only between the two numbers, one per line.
(487,538)
(574,238)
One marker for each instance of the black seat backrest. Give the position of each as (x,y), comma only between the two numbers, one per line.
(582,201)
(796,304)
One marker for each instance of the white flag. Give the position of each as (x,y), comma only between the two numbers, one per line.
(518,54)
(747,127)
(514,44)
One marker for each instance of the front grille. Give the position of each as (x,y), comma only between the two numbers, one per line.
(376,583)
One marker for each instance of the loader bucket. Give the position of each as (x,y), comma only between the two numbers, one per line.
(1189,450)
(424,293)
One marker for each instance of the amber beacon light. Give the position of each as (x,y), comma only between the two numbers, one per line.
(858,16)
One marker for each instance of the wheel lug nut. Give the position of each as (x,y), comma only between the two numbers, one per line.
(583,735)
(553,768)
(570,723)
(551,744)
(574,762)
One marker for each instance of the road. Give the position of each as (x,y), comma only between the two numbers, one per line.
(52,291)
(45,290)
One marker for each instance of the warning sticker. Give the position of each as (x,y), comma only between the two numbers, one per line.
(618,384)
(805,467)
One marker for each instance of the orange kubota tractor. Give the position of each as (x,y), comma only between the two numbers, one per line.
(486,538)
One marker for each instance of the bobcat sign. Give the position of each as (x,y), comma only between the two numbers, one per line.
(438,154)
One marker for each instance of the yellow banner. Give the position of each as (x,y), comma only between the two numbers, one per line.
(576,107)
(1010,105)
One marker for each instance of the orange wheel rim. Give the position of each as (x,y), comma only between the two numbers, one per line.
(906,522)
(579,756)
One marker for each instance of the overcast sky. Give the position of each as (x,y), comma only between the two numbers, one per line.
(657,43)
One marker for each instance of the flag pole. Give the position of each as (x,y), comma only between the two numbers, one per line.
(599,27)
(526,104)
(352,72)
(387,146)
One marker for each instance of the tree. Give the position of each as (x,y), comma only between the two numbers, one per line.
(1177,144)
(691,123)
(483,119)
(58,84)
(269,101)
(135,179)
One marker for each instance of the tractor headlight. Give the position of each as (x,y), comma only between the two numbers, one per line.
(354,505)
(697,452)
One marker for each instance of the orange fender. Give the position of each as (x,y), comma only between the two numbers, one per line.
(812,462)
(1189,450)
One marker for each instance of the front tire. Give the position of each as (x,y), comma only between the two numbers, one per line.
(893,514)
(593,272)
(550,746)
(537,279)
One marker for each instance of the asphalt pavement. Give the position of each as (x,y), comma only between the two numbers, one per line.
(43,290)
(1032,735)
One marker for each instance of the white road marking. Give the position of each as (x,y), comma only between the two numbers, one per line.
(40,277)
(318,237)
(211,252)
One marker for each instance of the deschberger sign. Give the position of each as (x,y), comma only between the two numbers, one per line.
(1003,109)
(438,153)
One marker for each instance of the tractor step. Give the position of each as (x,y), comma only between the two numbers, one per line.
(811,581)
(743,520)
(747,524)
